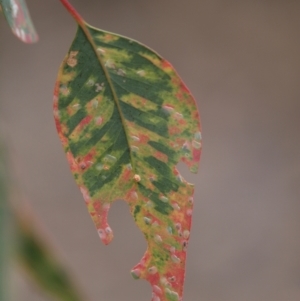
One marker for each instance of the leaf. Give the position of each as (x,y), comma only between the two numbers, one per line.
(4,227)
(18,18)
(18,233)
(40,262)
(126,120)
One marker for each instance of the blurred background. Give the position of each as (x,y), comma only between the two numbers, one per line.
(241,61)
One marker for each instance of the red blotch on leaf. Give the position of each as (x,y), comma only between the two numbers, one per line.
(85,121)
(143,138)
(160,156)
(196,154)
(166,65)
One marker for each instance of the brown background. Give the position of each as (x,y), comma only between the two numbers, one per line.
(241,61)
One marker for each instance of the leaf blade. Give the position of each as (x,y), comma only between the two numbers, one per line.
(36,257)
(5,237)
(126,119)
(18,18)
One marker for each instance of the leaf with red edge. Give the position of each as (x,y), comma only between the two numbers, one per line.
(126,119)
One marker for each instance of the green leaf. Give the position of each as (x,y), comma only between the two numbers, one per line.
(40,262)
(18,18)
(126,120)
(4,228)
(18,233)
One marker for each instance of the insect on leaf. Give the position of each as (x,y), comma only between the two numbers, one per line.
(126,120)
(18,18)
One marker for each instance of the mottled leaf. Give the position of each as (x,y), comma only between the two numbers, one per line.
(126,120)
(19,20)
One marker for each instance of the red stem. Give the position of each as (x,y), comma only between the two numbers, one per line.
(72,11)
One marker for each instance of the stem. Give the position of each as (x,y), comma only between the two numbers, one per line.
(73,12)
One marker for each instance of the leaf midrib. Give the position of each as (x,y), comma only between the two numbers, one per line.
(84,26)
